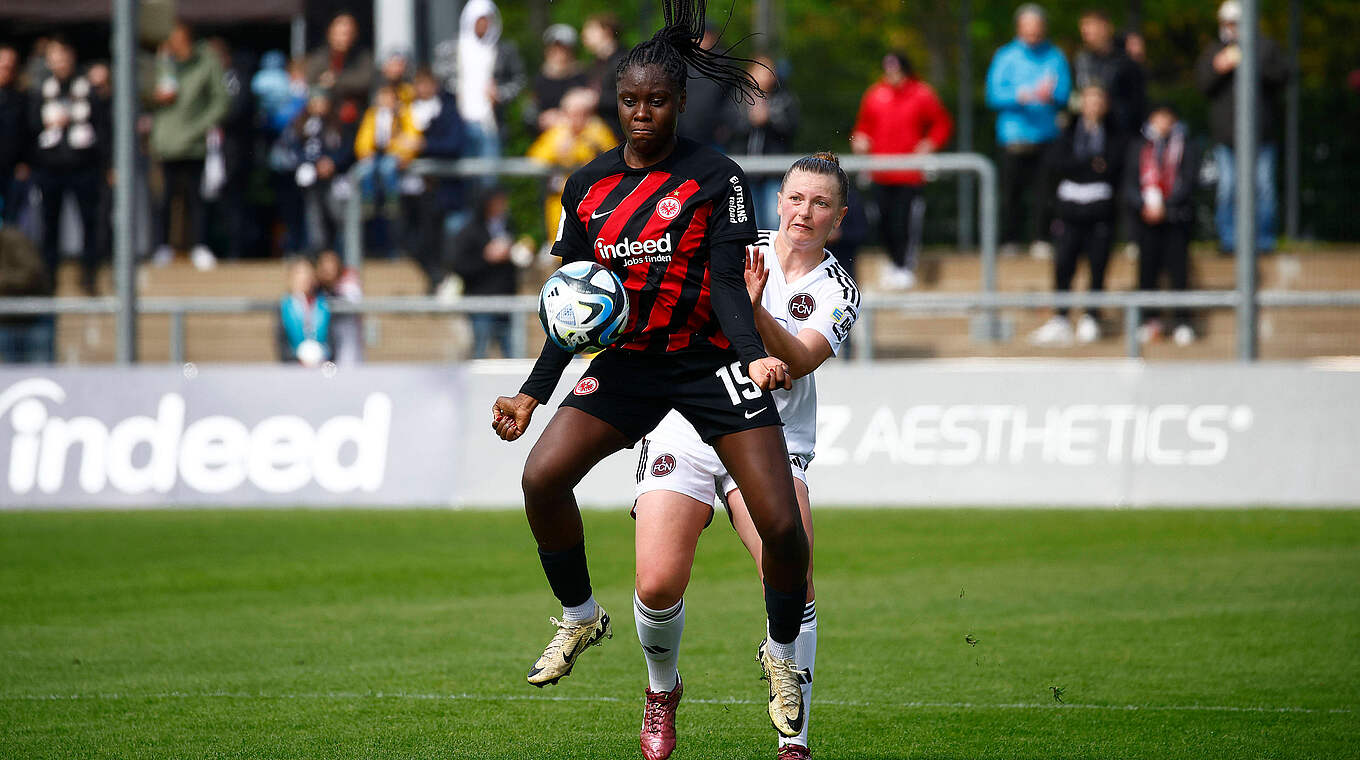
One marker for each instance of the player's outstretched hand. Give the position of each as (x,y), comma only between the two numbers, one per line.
(770,374)
(510,416)
(756,274)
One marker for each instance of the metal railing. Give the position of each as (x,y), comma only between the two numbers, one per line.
(933,163)
(521,309)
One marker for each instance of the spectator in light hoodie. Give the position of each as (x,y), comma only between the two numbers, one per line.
(1028,83)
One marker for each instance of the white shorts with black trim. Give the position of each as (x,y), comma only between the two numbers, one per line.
(692,468)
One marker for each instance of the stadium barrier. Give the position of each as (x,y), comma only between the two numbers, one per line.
(1108,433)
(522,308)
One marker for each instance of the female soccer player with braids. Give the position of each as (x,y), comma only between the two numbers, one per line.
(805,305)
(690,345)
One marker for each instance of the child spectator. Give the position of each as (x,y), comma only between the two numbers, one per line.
(387,141)
(1086,159)
(340,283)
(574,141)
(304,318)
(313,152)
(1160,183)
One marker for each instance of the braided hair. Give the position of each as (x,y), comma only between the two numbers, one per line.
(825,163)
(675,48)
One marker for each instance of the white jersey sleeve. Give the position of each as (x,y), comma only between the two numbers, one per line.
(834,306)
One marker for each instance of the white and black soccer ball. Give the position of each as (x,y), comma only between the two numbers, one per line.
(583,307)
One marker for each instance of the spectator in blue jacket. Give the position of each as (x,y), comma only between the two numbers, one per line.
(281,93)
(304,318)
(1028,83)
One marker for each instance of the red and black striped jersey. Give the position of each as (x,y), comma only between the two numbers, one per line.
(656,228)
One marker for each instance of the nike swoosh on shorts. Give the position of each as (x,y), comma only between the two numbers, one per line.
(750,415)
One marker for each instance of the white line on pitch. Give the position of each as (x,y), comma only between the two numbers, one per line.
(724,701)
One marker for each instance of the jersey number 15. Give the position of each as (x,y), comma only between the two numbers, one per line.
(732,377)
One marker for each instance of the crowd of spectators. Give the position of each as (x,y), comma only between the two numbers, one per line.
(1081,162)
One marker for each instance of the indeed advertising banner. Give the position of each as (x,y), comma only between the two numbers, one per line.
(168,436)
(1011,433)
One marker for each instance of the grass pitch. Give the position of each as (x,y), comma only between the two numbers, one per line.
(307,634)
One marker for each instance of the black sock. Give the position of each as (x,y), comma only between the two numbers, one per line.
(569,577)
(785,611)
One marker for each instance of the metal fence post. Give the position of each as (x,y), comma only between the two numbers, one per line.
(965,123)
(354,225)
(1132,315)
(124,157)
(1244,137)
(177,337)
(987,219)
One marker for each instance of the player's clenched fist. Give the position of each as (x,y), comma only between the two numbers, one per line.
(770,374)
(510,416)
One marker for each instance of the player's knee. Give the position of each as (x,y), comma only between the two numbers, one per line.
(659,593)
(540,484)
(783,535)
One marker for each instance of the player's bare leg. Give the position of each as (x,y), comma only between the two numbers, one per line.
(758,461)
(667,534)
(805,656)
(571,444)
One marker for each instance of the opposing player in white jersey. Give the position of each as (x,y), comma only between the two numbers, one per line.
(805,305)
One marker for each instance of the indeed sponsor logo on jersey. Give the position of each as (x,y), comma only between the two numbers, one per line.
(626,248)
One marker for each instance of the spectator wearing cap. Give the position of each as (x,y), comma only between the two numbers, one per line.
(14,139)
(560,72)
(572,142)
(485,73)
(1027,84)
(900,114)
(1216,74)
(395,73)
(71,128)
(1160,179)
(600,34)
(341,68)
(191,98)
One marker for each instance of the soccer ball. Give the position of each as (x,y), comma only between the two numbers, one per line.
(583,307)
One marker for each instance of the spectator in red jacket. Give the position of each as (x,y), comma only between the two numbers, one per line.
(900,114)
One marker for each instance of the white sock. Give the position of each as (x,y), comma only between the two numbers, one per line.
(659,633)
(777,650)
(806,658)
(581,612)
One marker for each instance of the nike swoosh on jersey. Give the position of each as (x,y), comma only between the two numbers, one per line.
(750,415)
(598,215)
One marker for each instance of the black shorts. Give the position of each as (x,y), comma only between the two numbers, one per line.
(633,390)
